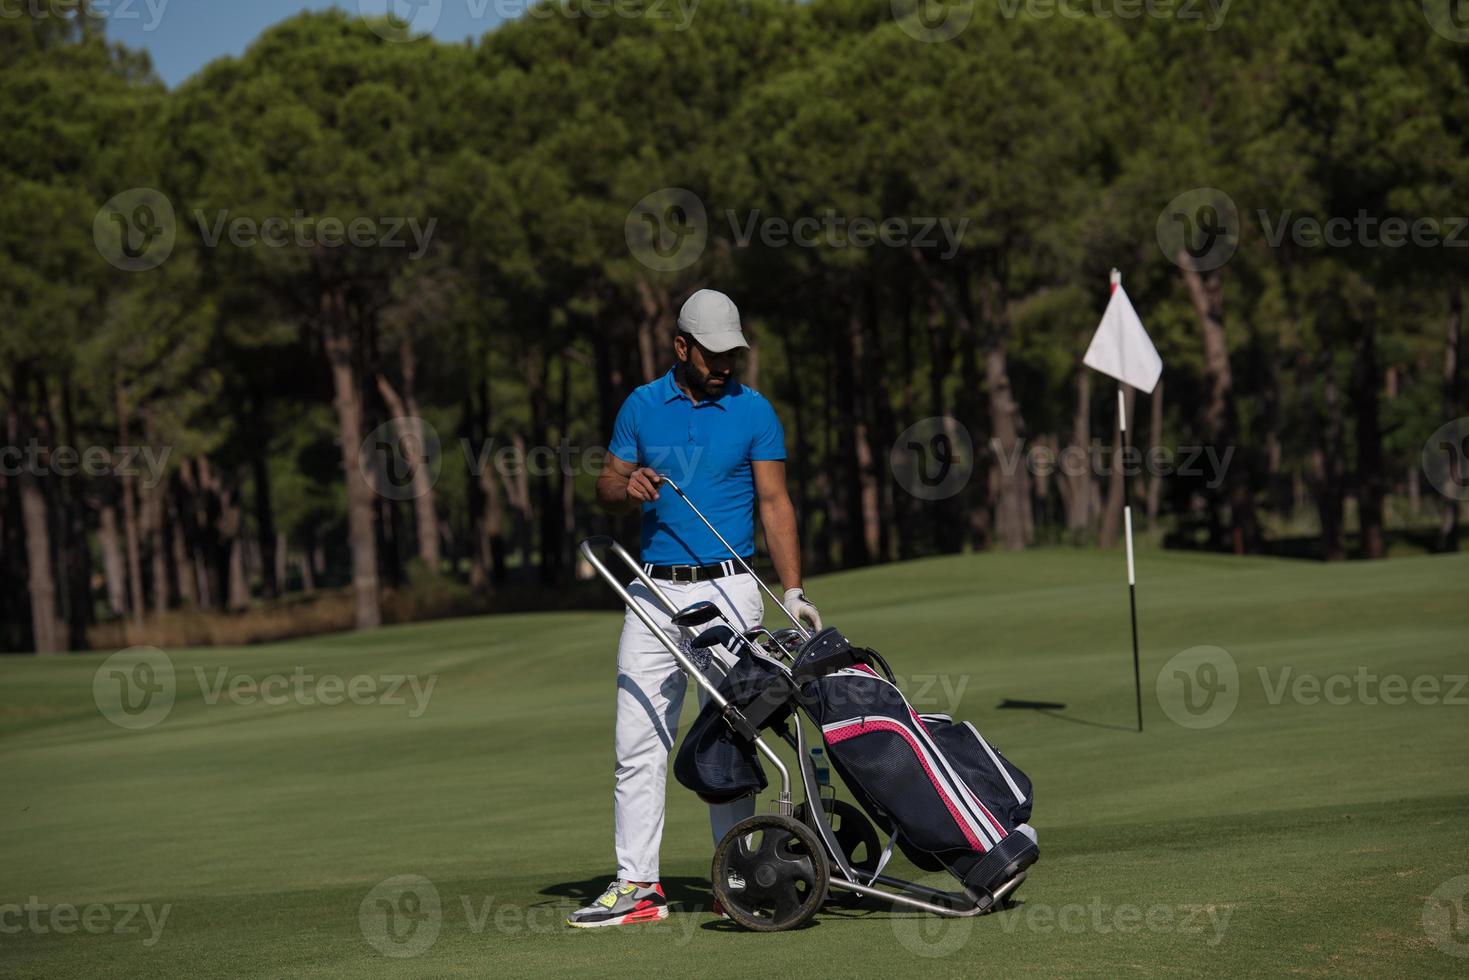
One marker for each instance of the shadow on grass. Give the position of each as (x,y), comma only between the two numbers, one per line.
(1053,709)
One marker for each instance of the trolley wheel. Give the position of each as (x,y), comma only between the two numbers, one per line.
(770,873)
(857,838)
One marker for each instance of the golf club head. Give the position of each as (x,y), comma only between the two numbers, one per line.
(713,636)
(788,638)
(697,614)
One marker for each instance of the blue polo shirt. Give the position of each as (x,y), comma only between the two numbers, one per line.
(707,447)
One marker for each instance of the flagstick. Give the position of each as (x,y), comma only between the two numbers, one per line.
(1137,684)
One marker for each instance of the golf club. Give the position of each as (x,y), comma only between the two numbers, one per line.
(800,628)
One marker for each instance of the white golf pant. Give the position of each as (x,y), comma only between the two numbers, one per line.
(650,693)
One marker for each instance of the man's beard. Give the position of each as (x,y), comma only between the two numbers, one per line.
(698,381)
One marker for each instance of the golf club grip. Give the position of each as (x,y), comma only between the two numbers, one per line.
(805,633)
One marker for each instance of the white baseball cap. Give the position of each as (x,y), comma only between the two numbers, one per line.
(712,319)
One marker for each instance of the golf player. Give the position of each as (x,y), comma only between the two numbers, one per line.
(723,444)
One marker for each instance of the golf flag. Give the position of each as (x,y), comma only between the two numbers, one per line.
(1121,348)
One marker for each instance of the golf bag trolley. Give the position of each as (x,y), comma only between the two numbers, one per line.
(944,796)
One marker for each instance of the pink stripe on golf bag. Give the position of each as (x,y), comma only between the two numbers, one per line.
(884,725)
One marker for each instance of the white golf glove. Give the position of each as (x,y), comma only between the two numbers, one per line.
(801,608)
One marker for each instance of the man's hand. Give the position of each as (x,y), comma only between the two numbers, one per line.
(643,484)
(624,486)
(801,609)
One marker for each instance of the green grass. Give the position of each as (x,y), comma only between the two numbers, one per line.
(1292,838)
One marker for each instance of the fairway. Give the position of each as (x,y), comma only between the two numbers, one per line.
(1287,835)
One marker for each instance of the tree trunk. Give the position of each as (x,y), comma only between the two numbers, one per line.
(361,535)
(183,565)
(1448,525)
(1155,438)
(158,549)
(800,454)
(194,503)
(412,445)
(239,589)
(130,510)
(1327,474)
(112,560)
(75,551)
(1078,469)
(1207,294)
(1371,473)
(569,437)
(655,329)
(279,561)
(751,371)
(534,366)
(156,527)
(46,630)
(308,577)
(517,489)
(487,568)
(271,565)
(1010,517)
(940,363)
(858,396)
(232,534)
(1012,502)
(46,627)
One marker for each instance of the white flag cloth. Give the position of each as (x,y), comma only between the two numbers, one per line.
(1122,349)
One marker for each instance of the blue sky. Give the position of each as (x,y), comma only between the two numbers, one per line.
(185,35)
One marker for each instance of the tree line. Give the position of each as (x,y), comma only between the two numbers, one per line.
(221,301)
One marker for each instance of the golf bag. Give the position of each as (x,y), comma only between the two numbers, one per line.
(949,798)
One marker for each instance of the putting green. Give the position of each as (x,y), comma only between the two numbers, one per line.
(1299,802)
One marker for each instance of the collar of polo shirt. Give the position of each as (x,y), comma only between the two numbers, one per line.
(672,392)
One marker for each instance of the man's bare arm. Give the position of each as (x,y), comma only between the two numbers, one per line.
(778,517)
(624,486)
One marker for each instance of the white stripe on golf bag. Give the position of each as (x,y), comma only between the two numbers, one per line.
(999,764)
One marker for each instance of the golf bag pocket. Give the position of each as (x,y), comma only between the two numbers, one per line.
(987,773)
(714,760)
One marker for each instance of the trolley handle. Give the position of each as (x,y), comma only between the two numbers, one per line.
(732,714)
